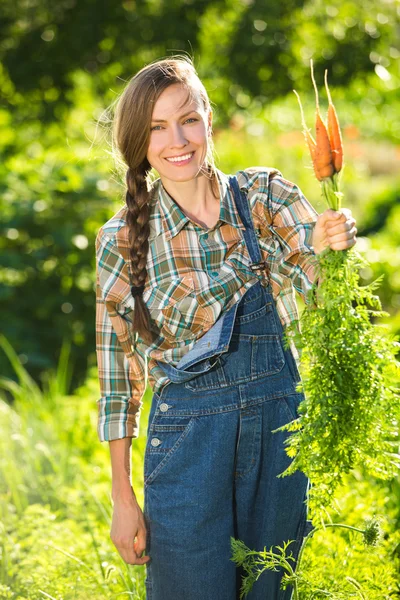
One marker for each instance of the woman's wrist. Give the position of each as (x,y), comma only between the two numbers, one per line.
(122,492)
(121,469)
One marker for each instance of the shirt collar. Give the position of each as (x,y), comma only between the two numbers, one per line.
(174,219)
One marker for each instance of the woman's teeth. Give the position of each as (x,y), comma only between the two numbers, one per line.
(180,158)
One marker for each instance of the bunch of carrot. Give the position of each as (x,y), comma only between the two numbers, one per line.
(350,416)
(326,149)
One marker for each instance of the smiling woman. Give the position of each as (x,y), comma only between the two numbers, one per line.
(178,148)
(195,282)
(178,145)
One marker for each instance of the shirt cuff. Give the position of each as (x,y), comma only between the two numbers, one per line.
(118,417)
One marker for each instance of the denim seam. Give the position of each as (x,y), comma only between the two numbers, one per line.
(241,474)
(288,409)
(190,412)
(166,428)
(265,397)
(239,381)
(202,411)
(298,542)
(250,337)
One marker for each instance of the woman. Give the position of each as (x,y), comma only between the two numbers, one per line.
(195,278)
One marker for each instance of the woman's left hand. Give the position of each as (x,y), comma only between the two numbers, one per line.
(335,229)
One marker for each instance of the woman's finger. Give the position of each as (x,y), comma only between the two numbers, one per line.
(341,227)
(128,554)
(335,217)
(140,542)
(343,244)
(343,236)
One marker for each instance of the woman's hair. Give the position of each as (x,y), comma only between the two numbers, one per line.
(130,138)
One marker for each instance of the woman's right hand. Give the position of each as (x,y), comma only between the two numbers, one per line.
(128,531)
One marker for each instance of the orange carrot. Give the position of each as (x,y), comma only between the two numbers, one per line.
(335,137)
(323,154)
(309,138)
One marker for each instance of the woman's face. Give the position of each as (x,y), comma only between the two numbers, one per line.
(178,139)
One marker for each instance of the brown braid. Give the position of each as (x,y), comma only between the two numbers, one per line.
(137,218)
(131,136)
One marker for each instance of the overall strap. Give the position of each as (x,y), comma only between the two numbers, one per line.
(249,234)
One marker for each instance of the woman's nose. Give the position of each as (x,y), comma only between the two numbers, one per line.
(177,137)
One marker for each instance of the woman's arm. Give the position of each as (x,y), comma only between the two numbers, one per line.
(292,220)
(120,454)
(121,366)
(122,383)
(128,529)
(302,233)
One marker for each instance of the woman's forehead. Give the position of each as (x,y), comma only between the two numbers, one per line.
(175,100)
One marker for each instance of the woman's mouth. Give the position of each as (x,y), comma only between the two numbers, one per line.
(180,160)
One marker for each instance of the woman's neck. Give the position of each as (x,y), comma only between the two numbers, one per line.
(196,199)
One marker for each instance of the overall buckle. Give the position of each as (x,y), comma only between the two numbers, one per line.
(260,266)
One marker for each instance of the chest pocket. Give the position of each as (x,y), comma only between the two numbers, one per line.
(174,306)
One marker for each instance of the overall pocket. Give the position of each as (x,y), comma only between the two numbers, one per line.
(259,321)
(250,357)
(253,356)
(164,438)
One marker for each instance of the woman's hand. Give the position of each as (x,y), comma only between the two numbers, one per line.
(335,229)
(127,524)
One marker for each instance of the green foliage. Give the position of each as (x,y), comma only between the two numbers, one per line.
(382,250)
(55,193)
(351,412)
(255,563)
(358,579)
(55,506)
(52,204)
(356,42)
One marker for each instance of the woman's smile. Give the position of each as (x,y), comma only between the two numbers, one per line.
(181,160)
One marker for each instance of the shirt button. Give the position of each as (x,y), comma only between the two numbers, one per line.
(205,236)
(155,442)
(164,407)
(214,274)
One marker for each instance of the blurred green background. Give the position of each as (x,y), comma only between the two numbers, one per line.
(61,65)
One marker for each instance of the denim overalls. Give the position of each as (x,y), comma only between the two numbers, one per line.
(211,460)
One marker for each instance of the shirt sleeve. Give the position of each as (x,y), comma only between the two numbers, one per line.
(292,221)
(121,367)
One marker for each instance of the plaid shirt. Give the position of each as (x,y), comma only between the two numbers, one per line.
(194,274)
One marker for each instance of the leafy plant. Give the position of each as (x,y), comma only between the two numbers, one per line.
(351,412)
(55,510)
(255,563)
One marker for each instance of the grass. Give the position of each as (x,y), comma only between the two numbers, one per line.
(55,504)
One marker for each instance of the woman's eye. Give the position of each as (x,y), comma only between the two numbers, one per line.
(158,127)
